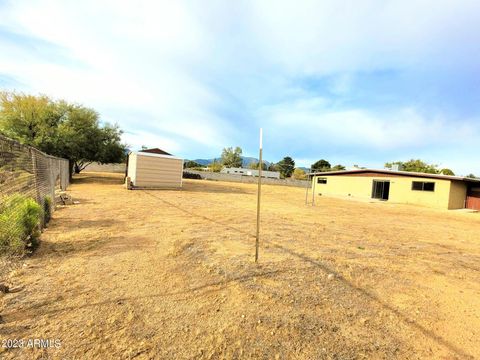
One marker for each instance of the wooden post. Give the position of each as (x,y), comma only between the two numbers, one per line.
(260,164)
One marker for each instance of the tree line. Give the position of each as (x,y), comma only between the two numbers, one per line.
(75,132)
(59,128)
(417,165)
(232,157)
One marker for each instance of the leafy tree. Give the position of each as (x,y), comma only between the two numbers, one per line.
(83,141)
(32,120)
(286,166)
(58,128)
(338,168)
(216,166)
(255,166)
(232,157)
(321,165)
(273,167)
(447,172)
(472,176)
(299,174)
(415,166)
(191,164)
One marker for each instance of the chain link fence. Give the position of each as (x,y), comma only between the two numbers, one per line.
(27,174)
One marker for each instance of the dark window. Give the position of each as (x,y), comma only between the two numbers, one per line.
(417,185)
(423,186)
(380,189)
(321,180)
(429,186)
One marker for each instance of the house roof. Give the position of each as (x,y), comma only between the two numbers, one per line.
(397,173)
(155,151)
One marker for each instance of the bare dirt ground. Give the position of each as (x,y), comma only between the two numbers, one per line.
(170,275)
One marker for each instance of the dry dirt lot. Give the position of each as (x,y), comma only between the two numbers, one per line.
(170,275)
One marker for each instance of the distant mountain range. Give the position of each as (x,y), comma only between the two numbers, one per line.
(246,161)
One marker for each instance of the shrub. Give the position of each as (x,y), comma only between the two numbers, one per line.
(47,209)
(299,174)
(188,175)
(19,224)
(215,166)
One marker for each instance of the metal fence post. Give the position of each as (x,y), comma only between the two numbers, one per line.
(260,164)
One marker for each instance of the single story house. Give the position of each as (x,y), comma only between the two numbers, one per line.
(251,172)
(153,168)
(432,190)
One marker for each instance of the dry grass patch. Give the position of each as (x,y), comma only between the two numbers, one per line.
(170,274)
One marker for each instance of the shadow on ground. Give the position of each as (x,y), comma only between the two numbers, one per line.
(339,277)
(98,179)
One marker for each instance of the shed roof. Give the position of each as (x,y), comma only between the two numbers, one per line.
(397,173)
(140,153)
(155,151)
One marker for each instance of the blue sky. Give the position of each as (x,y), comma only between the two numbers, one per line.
(354,82)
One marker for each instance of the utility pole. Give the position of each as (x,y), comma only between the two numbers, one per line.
(260,164)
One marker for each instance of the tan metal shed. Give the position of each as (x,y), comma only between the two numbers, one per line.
(151,170)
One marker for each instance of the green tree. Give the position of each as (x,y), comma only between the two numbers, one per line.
(415,166)
(232,157)
(32,120)
(471,176)
(338,168)
(299,174)
(58,128)
(286,166)
(216,166)
(82,140)
(191,164)
(273,167)
(254,165)
(447,172)
(321,165)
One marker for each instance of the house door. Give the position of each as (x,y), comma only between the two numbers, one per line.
(473,203)
(473,198)
(380,190)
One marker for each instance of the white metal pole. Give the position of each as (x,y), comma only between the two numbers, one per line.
(260,164)
(313,190)
(309,184)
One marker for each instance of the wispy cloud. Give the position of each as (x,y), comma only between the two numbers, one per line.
(355,82)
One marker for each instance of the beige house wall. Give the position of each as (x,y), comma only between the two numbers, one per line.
(458,194)
(447,195)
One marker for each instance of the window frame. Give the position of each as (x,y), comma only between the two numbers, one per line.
(423,183)
(322,180)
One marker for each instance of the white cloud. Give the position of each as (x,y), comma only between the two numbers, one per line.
(324,37)
(399,128)
(137,139)
(200,76)
(130,58)
(398,134)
